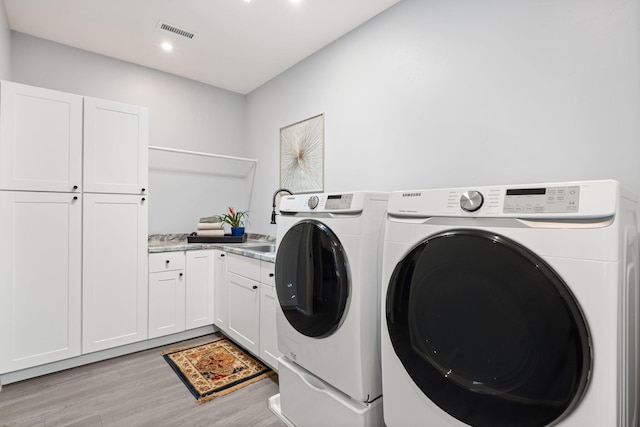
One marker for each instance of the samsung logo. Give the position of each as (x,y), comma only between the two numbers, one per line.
(411,194)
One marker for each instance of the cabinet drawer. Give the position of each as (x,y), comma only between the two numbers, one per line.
(267,273)
(166,261)
(244,266)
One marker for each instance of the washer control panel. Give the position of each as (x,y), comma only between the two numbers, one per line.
(340,203)
(542,200)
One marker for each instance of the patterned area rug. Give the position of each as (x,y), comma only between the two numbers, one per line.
(215,369)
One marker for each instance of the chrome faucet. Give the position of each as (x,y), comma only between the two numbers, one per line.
(273,211)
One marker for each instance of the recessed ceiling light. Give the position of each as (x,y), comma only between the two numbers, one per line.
(166,46)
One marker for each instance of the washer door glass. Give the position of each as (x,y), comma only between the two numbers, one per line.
(312,278)
(488,331)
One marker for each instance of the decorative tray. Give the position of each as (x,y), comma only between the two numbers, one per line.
(227,238)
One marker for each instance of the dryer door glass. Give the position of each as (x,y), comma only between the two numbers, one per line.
(488,331)
(312,278)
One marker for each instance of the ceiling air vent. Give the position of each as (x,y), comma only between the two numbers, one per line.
(175,30)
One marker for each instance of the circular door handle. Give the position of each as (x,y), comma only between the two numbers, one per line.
(255,287)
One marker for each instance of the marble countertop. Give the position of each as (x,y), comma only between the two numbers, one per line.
(178,242)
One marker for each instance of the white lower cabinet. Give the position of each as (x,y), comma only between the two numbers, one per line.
(199,299)
(166,293)
(243,275)
(40,289)
(268,305)
(252,305)
(180,291)
(220,290)
(115,272)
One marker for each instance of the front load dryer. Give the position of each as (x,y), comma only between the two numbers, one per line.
(511,306)
(327,276)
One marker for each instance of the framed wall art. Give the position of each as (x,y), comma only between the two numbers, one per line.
(302,156)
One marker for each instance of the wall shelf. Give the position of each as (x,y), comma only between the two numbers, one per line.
(246,172)
(198,153)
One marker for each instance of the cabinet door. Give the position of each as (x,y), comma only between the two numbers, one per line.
(220,291)
(268,305)
(40,139)
(166,303)
(40,292)
(199,293)
(115,147)
(244,311)
(115,272)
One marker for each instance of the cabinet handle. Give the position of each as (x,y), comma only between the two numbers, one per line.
(255,287)
(75,187)
(143,199)
(181,274)
(271,274)
(144,189)
(167,261)
(221,255)
(75,197)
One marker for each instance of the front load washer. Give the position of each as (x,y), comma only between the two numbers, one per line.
(327,276)
(511,306)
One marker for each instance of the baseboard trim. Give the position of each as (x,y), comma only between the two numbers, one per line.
(36,371)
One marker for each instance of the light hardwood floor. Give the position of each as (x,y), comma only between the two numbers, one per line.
(139,389)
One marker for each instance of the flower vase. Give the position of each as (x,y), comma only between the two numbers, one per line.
(237,231)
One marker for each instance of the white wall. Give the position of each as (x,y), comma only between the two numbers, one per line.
(439,93)
(183,114)
(5,44)
(431,93)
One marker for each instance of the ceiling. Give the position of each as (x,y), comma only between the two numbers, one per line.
(236,45)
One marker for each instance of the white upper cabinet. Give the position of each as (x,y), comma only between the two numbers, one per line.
(40,139)
(115,147)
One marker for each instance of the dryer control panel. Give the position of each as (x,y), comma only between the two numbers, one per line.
(578,199)
(542,200)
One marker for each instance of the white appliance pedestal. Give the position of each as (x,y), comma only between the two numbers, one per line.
(307,401)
